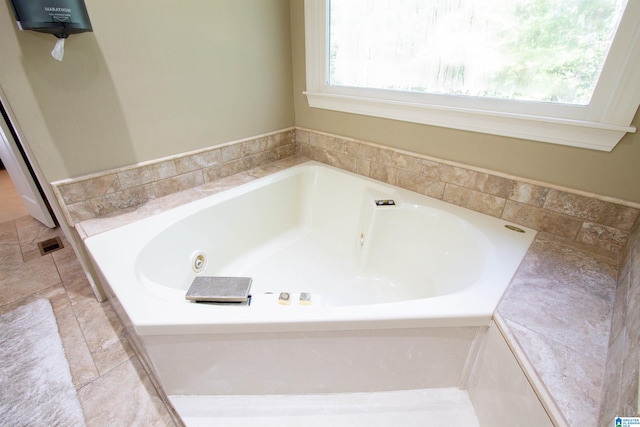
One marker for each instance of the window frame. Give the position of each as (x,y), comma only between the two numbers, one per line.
(599,125)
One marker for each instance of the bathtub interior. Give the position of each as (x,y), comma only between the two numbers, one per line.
(316,233)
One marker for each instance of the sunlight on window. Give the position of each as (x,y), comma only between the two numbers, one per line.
(533,50)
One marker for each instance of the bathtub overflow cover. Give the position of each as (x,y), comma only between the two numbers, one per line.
(514,228)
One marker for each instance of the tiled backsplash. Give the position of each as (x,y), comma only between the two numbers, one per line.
(591,220)
(116,191)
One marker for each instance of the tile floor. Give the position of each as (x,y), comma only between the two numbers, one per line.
(112,386)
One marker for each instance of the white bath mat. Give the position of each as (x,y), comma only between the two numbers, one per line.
(35,382)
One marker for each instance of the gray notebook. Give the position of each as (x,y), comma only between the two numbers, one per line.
(219,289)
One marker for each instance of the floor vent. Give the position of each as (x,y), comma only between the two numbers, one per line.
(50,245)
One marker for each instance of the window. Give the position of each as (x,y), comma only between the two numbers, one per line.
(560,72)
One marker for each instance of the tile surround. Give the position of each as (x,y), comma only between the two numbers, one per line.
(117,191)
(600,223)
(557,314)
(620,391)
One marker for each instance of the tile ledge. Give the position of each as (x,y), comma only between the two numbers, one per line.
(547,400)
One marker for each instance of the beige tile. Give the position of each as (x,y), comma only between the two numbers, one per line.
(103,332)
(10,252)
(363,167)
(54,294)
(95,324)
(541,219)
(618,320)
(387,158)
(285,151)
(146,174)
(291,161)
(8,233)
(262,158)
(411,181)
(123,397)
(341,160)
(231,152)
(81,211)
(529,194)
(457,176)
(352,148)
(407,162)
(302,136)
(254,146)
(319,140)
(198,161)
(367,152)
(431,169)
(216,186)
(383,173)
(90,188)
(494,185)
(592,210)
(628,256)
(264,170)
(83,369)
(335,145)
(122,200)
(633,302)
(178,183)
(223,170)
(610,404)
(309,151)
(601,236)
(630,375)
(30,233)
(20,281)
(474,200)
(568,316)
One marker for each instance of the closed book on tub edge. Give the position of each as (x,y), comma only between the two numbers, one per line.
(219,289)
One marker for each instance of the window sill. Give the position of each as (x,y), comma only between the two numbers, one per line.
(575,133)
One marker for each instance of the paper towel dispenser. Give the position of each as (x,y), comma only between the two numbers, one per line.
(58,17)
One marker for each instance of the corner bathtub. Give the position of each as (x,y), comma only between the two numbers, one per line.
(409,287)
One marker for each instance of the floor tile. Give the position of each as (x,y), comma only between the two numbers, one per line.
(20,281)
(103,367)
(123,397)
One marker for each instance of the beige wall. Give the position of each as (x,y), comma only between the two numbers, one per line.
(161,77)
(155,78)
(615,174)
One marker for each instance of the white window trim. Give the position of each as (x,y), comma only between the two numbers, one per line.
(599,125)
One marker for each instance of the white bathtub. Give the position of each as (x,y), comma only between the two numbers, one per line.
(409,287)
